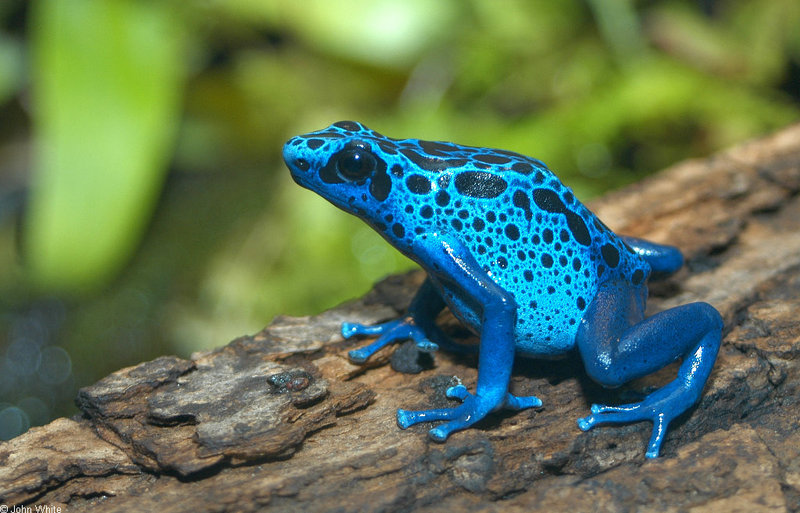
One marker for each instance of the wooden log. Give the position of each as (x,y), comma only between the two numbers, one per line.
(283,421)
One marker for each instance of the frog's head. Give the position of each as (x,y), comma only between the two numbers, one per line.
(343,164)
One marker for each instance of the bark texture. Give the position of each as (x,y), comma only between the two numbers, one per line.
(282,421)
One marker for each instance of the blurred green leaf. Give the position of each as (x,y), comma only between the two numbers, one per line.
(11,68)
(619,25)
(385,33)
(108,78)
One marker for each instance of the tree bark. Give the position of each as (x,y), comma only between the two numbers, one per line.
(283,421)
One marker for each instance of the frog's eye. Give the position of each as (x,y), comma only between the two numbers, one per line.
(355,164)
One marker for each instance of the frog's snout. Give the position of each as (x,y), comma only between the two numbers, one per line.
(291,156)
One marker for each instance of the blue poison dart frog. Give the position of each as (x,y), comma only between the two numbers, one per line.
(521,262)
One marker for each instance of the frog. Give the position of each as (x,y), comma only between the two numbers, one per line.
(519,261)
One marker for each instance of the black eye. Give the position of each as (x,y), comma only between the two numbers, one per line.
(355,164)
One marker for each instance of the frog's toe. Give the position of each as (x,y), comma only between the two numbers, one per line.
(604,414)
(514,402)
(586,423)
(660,425)
(614,416)
(407,418)
(470,411)
(457,392)
(603,408)
(358,355)
(425,345)
(388,333)
(660,407)
(350,329)
(596,418)
(442,432)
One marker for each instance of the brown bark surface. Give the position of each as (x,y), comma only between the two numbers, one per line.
(282,421)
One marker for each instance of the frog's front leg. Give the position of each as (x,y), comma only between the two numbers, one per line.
(448,261)
(418,325)
(618,344)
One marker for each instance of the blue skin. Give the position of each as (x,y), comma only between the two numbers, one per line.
(521,262)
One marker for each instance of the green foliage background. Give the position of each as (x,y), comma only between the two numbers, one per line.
(144,209)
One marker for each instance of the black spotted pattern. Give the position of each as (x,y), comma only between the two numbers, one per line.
(578,228)
(522,167)
(418,184)
(490,158)
(313,144)
(610,254)
(437,149)
(350,126)
(549,201)
(389,149)
(480,184)
(325,135)
(521,200)
(381,184)
(512,232)
(432,163)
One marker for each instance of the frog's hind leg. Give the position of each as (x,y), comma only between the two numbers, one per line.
(618,344)
(663,260)
(418,325)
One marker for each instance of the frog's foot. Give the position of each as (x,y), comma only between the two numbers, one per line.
(618,344)
(660,407)
(388,333)
(472,409)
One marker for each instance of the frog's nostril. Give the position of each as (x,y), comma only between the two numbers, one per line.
(302,164)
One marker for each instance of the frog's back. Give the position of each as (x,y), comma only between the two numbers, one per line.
(530,234)
(514,216)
